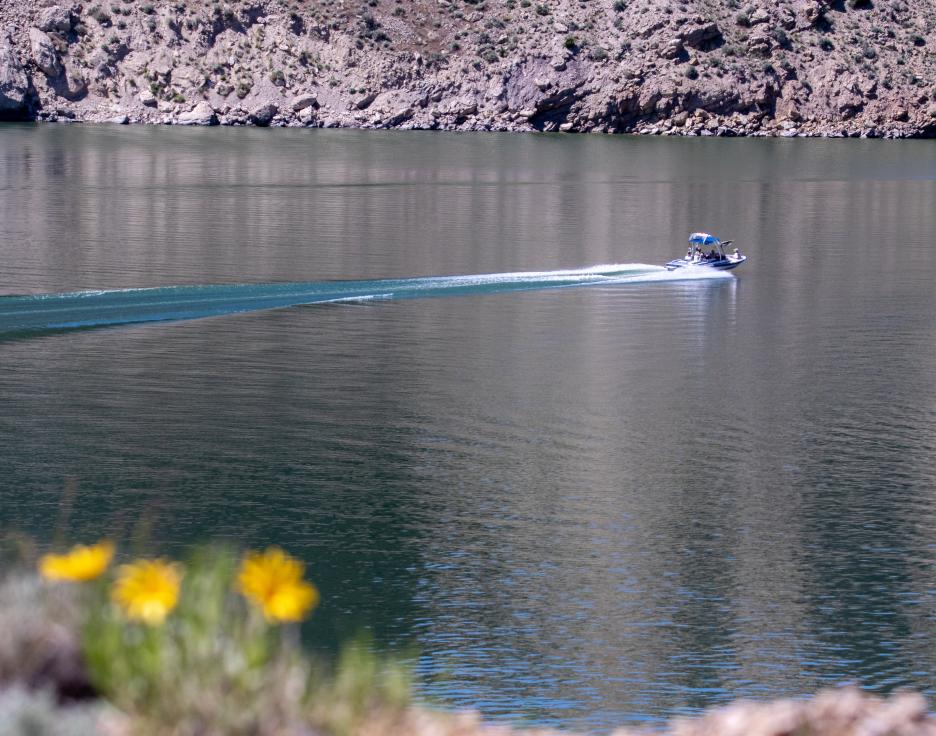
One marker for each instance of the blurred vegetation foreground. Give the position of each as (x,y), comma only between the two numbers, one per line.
(212,646)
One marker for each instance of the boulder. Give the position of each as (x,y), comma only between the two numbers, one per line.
(13,82)
(813,11)
(301,102)
(202,114)
(700,35)
(263,115)
(54,19)
(76,86)
(760,43)
(147,98)
(760,16)
(673,49)
(400,116)
(162,63)
(44,53)
(366,101)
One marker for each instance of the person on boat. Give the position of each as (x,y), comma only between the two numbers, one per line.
(712,256)
(689,253)
(737,254)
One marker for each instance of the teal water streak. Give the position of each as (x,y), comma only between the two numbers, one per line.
(40,312)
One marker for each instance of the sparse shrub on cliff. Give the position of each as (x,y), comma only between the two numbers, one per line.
(826,45)
(278,77)
(100,15)
(542,9)
(780,36)
(619,6)
(692,72)
(917,40)
(598,54)
(570,43)
(743,19)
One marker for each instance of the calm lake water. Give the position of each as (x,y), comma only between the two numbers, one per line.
(581,506)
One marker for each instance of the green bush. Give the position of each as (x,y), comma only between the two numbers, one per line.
(598,54)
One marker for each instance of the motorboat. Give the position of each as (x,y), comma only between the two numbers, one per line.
(707,251)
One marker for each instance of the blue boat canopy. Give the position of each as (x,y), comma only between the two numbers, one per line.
(703,239)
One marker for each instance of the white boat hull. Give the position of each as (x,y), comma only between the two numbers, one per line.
(722,264)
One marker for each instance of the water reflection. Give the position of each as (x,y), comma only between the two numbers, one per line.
(584,506)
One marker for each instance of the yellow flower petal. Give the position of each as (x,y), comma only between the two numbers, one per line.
(272,580)
(147,590)
(80,564)
(291,602)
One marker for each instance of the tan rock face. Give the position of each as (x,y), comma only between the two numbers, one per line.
(54,19)
(301,102)
(623,66)
(44,53)
(202,114)
(13,81)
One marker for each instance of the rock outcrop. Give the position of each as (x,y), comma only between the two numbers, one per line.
(752,67)
(14,85)
(44,54)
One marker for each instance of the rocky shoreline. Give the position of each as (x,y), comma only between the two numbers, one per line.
(857,68)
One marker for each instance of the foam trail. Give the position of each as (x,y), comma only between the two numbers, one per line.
(44,312)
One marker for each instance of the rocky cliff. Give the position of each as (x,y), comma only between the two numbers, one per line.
(688,67)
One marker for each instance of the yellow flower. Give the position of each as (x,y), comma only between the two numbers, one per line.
(273,581)
(83,562)
(147,590)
